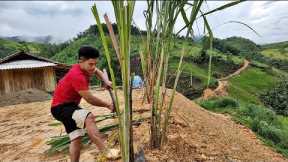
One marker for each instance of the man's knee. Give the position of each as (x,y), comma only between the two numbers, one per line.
(76,141)
(90,119)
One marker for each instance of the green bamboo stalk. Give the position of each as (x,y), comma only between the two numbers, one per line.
(168,111)
(155,118)
(107,54)
(123,13)
(210,34)
(155,55)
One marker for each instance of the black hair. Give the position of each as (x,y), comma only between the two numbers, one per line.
(88,52)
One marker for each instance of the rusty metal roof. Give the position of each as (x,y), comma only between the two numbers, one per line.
(25,64)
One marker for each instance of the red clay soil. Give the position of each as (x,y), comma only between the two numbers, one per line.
(194,135)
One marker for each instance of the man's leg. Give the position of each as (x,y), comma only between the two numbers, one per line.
(74,149)
(93,132)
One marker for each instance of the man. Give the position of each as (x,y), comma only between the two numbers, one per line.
(67,95)
(137,82)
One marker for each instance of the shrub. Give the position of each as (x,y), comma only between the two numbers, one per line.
(265,122)
(259,113)
(222,102)
(277,98)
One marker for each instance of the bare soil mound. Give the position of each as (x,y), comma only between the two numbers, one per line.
(194,134)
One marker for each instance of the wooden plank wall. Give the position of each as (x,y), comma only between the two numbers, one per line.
(21,79)
(2,86)
(49,79)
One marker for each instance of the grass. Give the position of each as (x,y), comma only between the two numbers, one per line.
(272,129)
(276,54)
(191,67)
(250,83)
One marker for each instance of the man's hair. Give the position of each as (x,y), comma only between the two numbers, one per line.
(88,52)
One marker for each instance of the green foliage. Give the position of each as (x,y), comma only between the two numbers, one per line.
(222,102)
(267,124)
(69,55)
(236,46)
(277,98)
(247,86)
(279,45)
(277,54)
(8,47)
(271,128)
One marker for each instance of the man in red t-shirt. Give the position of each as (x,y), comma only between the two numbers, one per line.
(67,95)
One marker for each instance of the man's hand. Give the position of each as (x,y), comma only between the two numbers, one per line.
(107,84)
(104,77)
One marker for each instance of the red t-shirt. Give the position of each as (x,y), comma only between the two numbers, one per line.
(68,87)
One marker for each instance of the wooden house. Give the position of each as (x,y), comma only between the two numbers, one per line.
(22,71)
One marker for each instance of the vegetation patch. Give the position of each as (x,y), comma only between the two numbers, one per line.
(276,98)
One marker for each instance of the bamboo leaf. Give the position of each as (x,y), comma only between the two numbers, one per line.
(113,37)
(246,25)
(224,7)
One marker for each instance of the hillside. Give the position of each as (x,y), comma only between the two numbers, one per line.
(276,51)
(195,134)
(8,47)
(268,66)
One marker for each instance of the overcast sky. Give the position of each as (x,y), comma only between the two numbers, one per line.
(64,19)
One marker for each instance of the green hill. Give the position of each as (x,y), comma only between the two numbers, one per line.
(8,47)
(269,65)
(228,55)
(236,46)
(276,51)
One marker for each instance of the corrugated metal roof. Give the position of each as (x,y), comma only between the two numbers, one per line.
(25,64)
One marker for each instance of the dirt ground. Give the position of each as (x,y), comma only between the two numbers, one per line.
(194,134)
(25,96)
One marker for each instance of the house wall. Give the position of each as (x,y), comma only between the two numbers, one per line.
(21,79)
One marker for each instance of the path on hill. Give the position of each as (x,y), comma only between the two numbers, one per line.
(194,134)
(245,65)
(222,88)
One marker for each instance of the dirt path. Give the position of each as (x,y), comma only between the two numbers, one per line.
(245,65)
(194,135)
(223,83)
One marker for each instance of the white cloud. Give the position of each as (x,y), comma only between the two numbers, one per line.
(65,19)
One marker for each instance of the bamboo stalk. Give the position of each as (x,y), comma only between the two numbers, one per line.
(155,56)
(168,111)
(123,13)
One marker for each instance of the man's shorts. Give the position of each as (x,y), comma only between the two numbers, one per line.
(73,117)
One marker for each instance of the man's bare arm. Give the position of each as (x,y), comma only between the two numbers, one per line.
(93,100)
(101,76)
